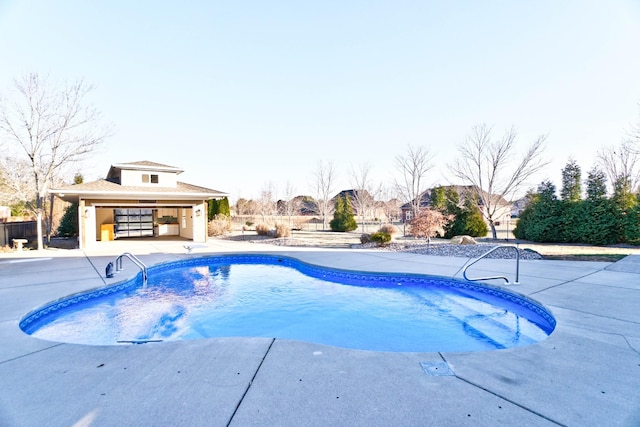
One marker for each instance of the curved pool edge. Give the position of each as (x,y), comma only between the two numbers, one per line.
(547,323)
(389,386)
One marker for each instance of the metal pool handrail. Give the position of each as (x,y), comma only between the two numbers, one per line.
(464,270)
(136,261)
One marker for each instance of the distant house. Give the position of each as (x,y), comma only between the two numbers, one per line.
(139,199)
(354,196)
(375,210)
(518,206)
(299,205)
(406,210)
(502,213)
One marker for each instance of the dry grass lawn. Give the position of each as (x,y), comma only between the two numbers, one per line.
(547,250)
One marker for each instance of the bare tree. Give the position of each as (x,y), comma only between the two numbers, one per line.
(291,203)
(324,183)
(633,135)
(247,207)
(15,181)
(266,203)
(621,162)
(413,167)
(363,197)
(494,170)
(389,203)
(48,126)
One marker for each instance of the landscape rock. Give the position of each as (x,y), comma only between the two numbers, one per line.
(463,240)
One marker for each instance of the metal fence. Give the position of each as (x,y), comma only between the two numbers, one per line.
(17,230)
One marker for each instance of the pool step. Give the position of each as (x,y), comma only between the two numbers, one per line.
(495,325)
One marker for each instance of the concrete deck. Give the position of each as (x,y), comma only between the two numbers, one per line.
(587,373)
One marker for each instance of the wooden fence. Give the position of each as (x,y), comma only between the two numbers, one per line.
(17,230)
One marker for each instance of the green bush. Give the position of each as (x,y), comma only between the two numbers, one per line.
(475,225)
(219,207)
(69,223)
(595,221)
(381,238)
(343,218)
(212,209)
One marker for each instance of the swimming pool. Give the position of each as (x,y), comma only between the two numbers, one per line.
(280,297)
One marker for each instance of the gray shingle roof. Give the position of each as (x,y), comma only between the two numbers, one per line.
(103,188)
(148,163)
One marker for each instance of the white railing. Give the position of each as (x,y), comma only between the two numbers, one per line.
(136,261)
(469,264)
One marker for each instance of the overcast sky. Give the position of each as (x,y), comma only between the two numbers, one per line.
(245,95)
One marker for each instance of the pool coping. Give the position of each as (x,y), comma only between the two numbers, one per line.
(586,373)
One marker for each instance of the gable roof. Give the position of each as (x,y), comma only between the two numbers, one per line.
(353,194)
(110,188)
(103,188)
(143,165)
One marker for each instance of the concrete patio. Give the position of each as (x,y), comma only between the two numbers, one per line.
(587,373)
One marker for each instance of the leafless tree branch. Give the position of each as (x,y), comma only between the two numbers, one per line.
(363,199)
(413,167)
(486,165)
(622,161)
(324,183)
(50,127)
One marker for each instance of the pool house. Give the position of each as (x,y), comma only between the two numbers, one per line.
(139,200)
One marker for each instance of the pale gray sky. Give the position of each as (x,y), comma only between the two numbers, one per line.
(245,94)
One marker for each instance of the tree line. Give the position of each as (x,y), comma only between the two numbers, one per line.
(47,127)
(596,219)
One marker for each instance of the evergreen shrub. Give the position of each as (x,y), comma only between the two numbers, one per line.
(381,238)
(69,223)
(343,218)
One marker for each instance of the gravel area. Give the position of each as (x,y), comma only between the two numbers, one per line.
(438,249)
(442,247)
(466,251)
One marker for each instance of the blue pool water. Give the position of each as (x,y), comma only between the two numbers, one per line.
(276,297)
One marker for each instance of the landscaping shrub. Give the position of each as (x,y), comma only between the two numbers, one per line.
(283,230)
(381,238)
(219,225)
(69,223)
(390,229)
(596,220)
(212,209)
(262,229)
(343,218)
(365,238)
(428,223)
(218,207)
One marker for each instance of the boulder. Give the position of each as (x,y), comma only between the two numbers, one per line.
(463,240)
